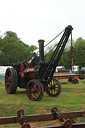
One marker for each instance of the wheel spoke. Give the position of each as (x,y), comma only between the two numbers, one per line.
(34,90)
(53,88)
(35,95)
(9,88)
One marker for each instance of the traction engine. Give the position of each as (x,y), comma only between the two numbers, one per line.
(36,75)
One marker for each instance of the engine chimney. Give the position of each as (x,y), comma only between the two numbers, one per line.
(41,49)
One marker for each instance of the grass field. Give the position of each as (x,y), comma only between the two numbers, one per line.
(71,98)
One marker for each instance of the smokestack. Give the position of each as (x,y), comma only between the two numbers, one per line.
(41,49)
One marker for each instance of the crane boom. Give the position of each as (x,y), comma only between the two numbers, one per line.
(53,62)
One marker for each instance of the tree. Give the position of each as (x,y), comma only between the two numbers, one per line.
(13,50)
(79,52)
(11,34)
(66,59)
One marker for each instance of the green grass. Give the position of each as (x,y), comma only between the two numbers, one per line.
(71,98)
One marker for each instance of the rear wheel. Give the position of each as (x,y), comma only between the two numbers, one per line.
(11,80)
(34,90)
(54,88)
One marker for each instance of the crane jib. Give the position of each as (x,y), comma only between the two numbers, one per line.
(59,50)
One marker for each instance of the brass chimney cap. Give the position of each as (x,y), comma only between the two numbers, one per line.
(41,41)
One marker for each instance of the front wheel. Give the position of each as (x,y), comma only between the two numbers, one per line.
(34,90)
(54,88)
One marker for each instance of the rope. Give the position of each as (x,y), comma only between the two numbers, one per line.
(52,39)
(50,51)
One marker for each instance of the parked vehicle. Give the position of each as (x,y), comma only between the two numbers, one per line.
(82,70)
(75,69)
(82,73)
(61,69)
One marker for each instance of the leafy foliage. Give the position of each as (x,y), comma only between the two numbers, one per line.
(11,34)
(78,54)
(13,50)
(66,59)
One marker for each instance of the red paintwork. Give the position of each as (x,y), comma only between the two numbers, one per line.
(63,70)
(28,72)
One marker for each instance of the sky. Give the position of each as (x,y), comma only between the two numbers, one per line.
(32,20)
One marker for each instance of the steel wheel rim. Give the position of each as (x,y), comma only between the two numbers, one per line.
(8,81)
(34,90)
(53,87)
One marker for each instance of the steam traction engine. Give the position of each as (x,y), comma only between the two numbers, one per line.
(36,75)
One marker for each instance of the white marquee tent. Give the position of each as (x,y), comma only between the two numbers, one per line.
(3,70)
